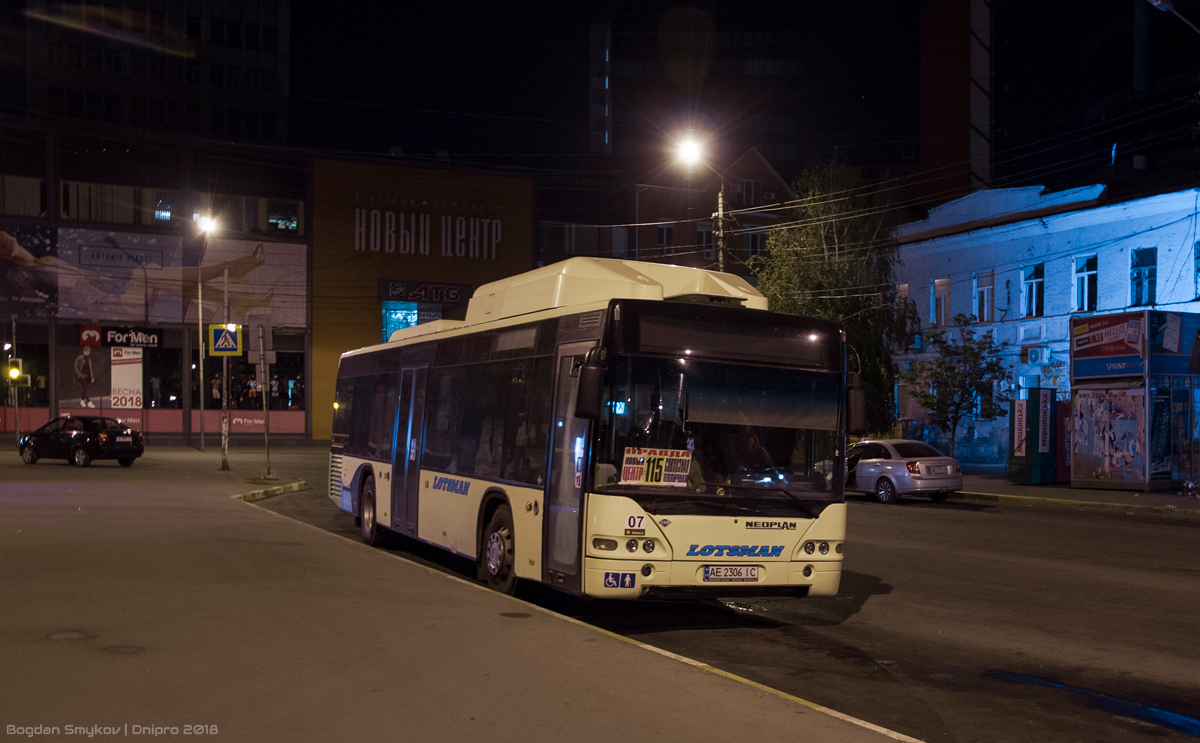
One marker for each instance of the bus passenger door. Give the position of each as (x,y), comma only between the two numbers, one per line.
(406,471)
(564,493)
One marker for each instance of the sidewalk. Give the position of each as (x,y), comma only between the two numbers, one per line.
(147,596)
(986,482)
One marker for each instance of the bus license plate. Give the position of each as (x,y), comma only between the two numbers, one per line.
(939,469)
(730,574)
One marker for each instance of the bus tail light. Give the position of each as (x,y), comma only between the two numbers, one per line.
(606,545)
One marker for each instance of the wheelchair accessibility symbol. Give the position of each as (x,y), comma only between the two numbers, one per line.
(619,580)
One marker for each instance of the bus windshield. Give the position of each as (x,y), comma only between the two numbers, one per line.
(715,437)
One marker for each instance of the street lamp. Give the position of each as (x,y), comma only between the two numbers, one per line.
(690,153)
(206,225)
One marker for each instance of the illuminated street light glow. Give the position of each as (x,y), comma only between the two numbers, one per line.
(690,152)
(14,372)
(207,224)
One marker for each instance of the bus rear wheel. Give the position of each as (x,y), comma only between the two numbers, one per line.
(368,526)
(498,560)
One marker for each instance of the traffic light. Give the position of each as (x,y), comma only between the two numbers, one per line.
(14,373)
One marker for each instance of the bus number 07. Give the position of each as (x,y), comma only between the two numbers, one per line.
(634,522)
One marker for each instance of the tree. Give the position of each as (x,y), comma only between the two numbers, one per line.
(959,380)
(833,259)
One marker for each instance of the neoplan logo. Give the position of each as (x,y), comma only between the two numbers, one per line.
(784,525)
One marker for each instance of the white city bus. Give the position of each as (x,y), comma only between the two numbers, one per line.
(610,428)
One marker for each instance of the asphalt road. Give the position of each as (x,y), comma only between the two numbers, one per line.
(955,622)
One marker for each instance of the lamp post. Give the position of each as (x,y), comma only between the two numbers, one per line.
(691,153)
(207,225)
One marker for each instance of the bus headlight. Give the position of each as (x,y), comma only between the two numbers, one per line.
(809,548)
(608,545)
(648,545)
(824,548)
(631,545)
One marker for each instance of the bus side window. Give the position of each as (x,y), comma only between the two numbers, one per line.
(441,413)
(360,416)
(383,416)
(343,400)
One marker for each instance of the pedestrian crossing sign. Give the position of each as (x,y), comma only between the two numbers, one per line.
(225,340)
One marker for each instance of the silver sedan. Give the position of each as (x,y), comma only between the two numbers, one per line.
(889,468)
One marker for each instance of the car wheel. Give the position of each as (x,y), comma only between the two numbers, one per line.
(28,454)
(126,461)
(498,553)
(80,457)
(940,497)
(368,527)
(885,491)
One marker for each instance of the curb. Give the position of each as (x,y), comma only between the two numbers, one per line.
(894,735)
(1030,499)
(257,495)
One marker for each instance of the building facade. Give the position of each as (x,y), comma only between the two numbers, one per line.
(1027,264)
(185,66)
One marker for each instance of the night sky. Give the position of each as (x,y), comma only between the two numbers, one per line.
(507,83)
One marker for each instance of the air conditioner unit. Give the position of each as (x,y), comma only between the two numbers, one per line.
(1039,356)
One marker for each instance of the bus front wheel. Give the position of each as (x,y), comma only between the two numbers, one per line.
(366,513)
(498,559)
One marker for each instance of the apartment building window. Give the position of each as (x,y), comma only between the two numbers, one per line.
(1034,289)
(750,191)
(1143,269)
(112,61)
(666,236)
(270,39)
(1085,284)
(193,28)
(704,230)
(252,36)
(233,34)
(939,302)
(216,32)
(984,297)
(192,73)
(757,243)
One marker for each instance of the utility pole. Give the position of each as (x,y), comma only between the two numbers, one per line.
(264,373)
(225,388)
(200,387)
(720,227)
(12,386)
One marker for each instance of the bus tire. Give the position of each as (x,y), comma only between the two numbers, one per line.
(885,491)
(368,526)
(499,563)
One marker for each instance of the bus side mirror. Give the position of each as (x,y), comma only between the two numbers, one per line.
(591,389)
(856,407)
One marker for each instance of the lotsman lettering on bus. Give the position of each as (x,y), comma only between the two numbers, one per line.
(726,550)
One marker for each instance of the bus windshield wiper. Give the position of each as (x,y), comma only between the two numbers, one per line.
(660,504)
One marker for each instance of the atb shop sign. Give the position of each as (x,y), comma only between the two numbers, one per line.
(126,377)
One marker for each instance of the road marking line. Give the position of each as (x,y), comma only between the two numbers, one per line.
(644,646)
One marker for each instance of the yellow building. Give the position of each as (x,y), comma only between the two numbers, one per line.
(383,232)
